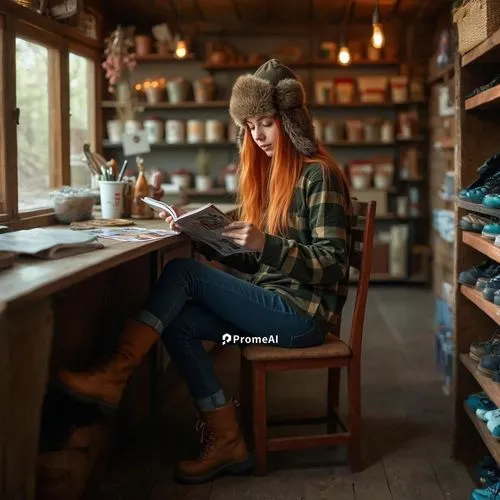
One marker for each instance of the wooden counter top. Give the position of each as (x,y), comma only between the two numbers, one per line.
(34,278)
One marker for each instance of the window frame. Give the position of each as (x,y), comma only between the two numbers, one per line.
(18,21)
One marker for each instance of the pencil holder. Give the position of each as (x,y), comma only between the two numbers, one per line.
(111,199)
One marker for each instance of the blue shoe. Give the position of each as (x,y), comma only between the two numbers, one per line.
(485,171)
(478,349)
(491,201)
(491,231)
(494,426)
(476,195)
(492,286)
(487,269)
(477,400)
(489,415)
(489,493)
(476,222)
(490,364)
(487,411)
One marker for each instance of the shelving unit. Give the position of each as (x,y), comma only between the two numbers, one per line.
(225,74)
(475,318)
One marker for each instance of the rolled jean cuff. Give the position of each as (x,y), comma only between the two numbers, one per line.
(151,320)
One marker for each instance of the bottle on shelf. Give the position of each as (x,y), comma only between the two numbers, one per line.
(139,209)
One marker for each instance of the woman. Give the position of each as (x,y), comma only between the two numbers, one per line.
(295,224)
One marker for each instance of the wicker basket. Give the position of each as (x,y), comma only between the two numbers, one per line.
(476,21)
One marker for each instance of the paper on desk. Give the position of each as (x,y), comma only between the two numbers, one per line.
(132,233)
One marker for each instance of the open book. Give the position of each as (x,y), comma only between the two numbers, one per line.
(203,224)
(48,243)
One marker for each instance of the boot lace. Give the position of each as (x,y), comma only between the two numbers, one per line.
(207,438)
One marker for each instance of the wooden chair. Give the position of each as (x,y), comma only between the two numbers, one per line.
(257,361)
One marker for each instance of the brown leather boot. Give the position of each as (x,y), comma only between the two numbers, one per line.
(224,450)
(105,386)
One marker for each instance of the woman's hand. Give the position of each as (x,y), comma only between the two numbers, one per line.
(246,235)
(169,220)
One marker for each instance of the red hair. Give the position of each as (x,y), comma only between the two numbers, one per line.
(266,185)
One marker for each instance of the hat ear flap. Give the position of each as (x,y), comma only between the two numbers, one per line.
(299,128)
(289,94)
(240,135)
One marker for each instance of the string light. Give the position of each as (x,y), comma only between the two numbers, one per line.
(181,49)
(378,38)
(344,56)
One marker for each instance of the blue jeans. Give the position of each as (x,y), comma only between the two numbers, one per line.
(192,302)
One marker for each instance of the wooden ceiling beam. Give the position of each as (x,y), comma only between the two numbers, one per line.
(310,9)
(396,6)
(237,11)
(198,9)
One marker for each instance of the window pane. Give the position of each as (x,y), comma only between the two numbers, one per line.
(81,98)
(33,131)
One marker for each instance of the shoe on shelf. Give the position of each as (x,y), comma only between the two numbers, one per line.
(480,348)
(476,195)
(491,231)
(487,472)
(490,364)
(493,425)
(487,269)
(491,287)
(475,222)
(489,415)
(475,401)
(482,88)
(492,200)
(491,492)
(496,298)
(485,171)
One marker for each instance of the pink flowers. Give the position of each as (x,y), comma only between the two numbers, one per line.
(120,55)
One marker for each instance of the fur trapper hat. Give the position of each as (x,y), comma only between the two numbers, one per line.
(274,89)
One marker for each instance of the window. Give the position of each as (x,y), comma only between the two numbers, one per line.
(34,128)
(46,69)
(82,105)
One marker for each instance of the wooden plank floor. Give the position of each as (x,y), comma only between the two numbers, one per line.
(406,423)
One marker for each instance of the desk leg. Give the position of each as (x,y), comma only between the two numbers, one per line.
(25,344)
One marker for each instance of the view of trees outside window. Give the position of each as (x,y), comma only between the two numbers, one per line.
(34,129)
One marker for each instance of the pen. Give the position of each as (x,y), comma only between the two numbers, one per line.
(122,171)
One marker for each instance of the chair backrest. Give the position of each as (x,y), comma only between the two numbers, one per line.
(361,259)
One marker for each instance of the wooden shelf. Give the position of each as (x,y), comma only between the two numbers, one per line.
(185,145)
(475,296)
(492,389)
(388,278)
(488,98)
(339,144)
(442,75)
(225,104)
(491,443)
(486,51)
(216,191)
(160,58)
(301,64)
(169,105)
(403,140)
(476,207)
(481,244)
(363,144)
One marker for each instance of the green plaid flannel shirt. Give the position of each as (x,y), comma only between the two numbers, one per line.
(309,267)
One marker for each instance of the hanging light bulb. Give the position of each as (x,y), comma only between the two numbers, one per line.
(181,49)
(344,56)
(378,38)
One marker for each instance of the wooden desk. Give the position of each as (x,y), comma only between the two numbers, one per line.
(51,314)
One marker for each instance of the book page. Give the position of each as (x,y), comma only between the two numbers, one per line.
(206,224)
(160,206)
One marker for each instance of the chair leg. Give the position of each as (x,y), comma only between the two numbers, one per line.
(332,399)
(354,396)
(245,395)
(259,417)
